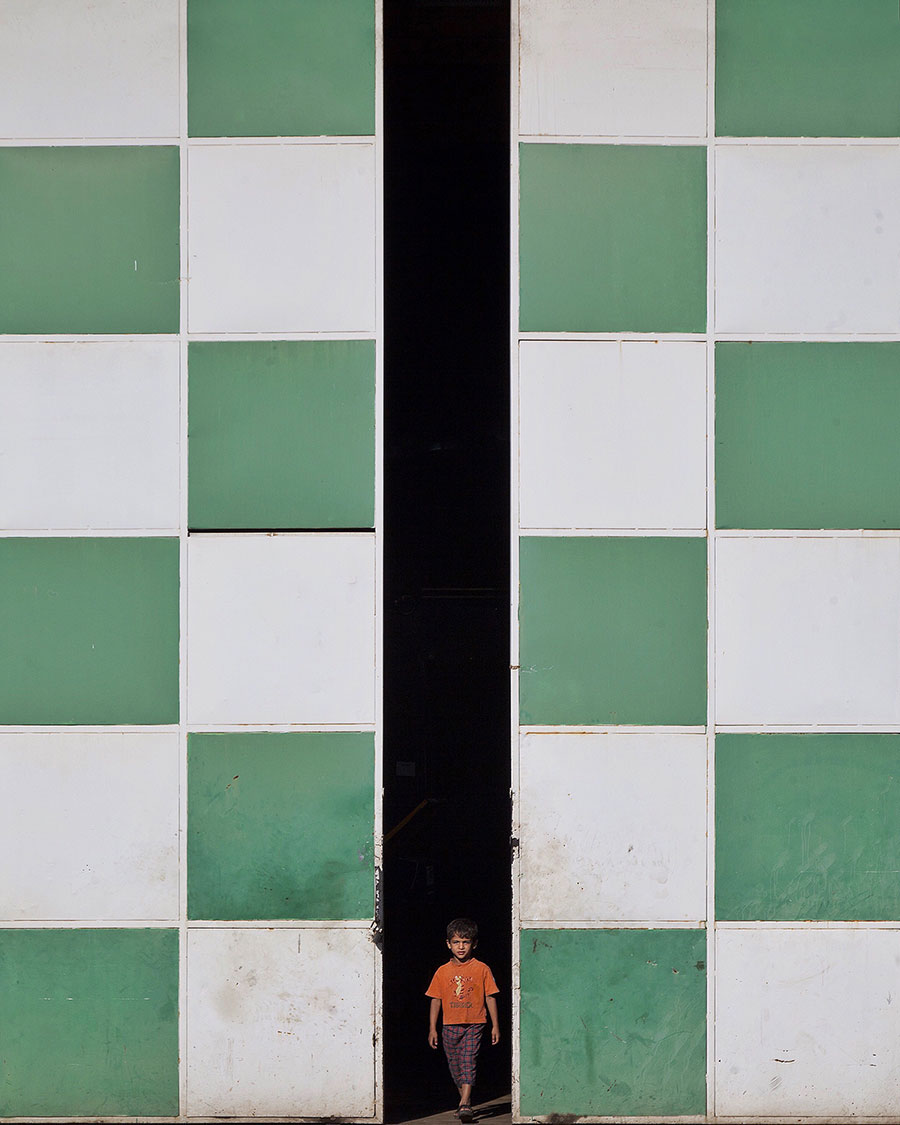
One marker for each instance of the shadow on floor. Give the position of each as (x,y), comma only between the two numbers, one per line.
(497,1111)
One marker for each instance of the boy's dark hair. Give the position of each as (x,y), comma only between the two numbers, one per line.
(465,927)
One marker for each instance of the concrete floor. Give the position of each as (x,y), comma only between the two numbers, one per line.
(495,1112)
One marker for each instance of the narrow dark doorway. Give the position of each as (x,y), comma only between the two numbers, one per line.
(446,652)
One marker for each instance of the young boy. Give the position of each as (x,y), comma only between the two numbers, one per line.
(464,988)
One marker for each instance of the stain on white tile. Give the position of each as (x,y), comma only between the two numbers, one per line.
(807,1023)
(281,238)
(89,827)
(279,1023)
(89,68)
(281,628)
(807,630)
(612,434)
(602,67)
(89,435)
(807,238)
(603,836)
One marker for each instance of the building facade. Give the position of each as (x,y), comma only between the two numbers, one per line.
(190,558)
(705,330)
(708,365)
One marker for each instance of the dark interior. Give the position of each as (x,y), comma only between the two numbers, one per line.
(446,630)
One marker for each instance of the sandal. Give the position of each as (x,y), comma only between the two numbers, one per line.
(466,1113)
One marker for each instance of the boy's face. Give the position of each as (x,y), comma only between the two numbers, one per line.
(461,947)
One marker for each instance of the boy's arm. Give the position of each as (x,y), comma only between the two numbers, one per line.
(491,1004)
(432,1020)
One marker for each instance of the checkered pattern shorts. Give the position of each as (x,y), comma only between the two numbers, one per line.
(461,1043)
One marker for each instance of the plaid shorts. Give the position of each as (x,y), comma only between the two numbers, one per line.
(461,1043)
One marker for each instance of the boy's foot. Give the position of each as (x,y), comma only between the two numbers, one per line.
(466,1113)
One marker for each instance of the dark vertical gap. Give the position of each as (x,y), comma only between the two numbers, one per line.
(446,542)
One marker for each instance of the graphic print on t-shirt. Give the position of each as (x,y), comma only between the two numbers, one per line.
(463,988)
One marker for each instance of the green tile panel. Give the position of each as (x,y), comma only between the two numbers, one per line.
(613,630)
(807,827)
(612,238)
(90,630)
(90,1023)
(613,1022)
(269,68)
(281,825)
(89,239)
(807,68)
(806,435)
(281,434)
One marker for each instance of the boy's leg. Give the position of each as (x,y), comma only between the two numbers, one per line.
(465,1055)
(461,1043)
(450,1036)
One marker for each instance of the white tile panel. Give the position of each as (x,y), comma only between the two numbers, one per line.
(281,628)
(89,827)
(89,435)
(612,434)
(281,238)
(601,67)
(613,827)
(807,631)
(807,1023)
(279,1022)
(807,238)
(89,68)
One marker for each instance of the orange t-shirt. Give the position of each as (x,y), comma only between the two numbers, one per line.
(461,988)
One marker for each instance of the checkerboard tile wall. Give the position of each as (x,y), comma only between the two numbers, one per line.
(706,331)
(190,365)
